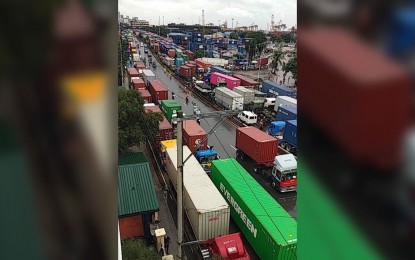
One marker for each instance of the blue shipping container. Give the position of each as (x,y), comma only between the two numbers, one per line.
(290,133)
(179,62)
(273,89)
(220,70)
(286,113)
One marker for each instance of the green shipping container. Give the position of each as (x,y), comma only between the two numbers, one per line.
(169,108)
(267,226)
(185,57)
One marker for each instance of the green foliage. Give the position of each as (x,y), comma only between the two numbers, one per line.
(122,48)
(133,249)
(134,125)
(291,65)
(239,55)
(200,53)
(255,44)
(277,60)
(233,36)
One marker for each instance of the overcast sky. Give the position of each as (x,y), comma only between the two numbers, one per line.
(246,12)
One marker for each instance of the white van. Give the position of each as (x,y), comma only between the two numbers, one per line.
(248,118)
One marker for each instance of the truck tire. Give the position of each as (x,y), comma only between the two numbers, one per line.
(274,185)
(283,145)
(256,170)
(242,156)
(288,148)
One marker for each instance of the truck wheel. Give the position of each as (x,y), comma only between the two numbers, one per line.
(273,184)
(256,169)
(288,148)
(283,145)
(242,156)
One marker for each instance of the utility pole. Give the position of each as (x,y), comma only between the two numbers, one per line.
(179,185)
(159,26)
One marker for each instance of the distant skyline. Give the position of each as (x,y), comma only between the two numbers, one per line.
(245,12)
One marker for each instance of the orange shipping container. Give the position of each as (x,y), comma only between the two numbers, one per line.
(193,134)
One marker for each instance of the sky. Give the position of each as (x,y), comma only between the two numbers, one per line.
(245,12)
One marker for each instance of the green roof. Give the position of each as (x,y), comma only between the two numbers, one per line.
(279,223)
(136,193)
(131,158)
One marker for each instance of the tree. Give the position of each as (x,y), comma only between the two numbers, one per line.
(133,249)
(291,65)
(255,43)
(276,60)
(122,53)
(200,53)
(233,36)
(134,125)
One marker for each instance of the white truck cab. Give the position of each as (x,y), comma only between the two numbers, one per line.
(248,117)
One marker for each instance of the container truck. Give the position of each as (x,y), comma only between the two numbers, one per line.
(229,247)
(132,72)
(353,101)
(286,113)
(158,91)
(206,209)
(248,95)
(228,98)
(267,226)
(136,57)
(203,64)
(147,76)
(273,89)
(216,62)
(216,78)
(203,88)
(281,101)
(289,138)
(170,109)
(145,95)
(166,131)
(257,145)
(194,135)
(138,83)
(247,82)
(276,128)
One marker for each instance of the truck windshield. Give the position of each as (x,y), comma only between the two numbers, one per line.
(289,176)
(207,159)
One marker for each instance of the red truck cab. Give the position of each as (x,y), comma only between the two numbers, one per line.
(229,247)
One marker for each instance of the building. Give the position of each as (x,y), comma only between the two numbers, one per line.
(139,23)
(137,200)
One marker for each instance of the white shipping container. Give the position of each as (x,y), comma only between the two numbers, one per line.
(216,61)
(248,95)
(229,99)
(148,75)
(207,210)
(282,101)
(136,57)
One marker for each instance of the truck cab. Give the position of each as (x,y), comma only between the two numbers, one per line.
(205,158)
(229,247)
(276,128)
(248,117)
(284,173)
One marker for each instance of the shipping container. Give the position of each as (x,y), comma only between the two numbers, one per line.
(267,226)
(179,62)
(228,98)
(220,70)
(193,135)
(185,71)
(207,210)
(136,57)
(352,104)
(166,131)
(282,101)
(156,47)
(248,95)
(147,76)
(185,57)
(171,53)
(193,69)
(202,64)
(273,89)
(158,91)
(258,145)
(216,78)
(290,135)
(217,62)
(262,61)
(190,54)
(146,95)
(170,108)
(139,65)
(286,113)
(132,72)
(247,82)
(138,83)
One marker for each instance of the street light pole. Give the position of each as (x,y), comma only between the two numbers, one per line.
(179,141)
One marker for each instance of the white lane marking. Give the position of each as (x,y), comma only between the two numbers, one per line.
(233,147)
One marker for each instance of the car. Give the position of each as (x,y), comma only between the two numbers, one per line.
(248,117)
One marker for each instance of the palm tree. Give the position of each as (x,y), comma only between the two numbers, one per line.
(277,60)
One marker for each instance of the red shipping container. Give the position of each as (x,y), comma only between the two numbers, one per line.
(203,64)
(262,61)
(193,134)
(172,53)
(247,82)
(166,131)
(146,95)
(258,145)
(132,72)
(193,69)
(354,94)
(138,84)
(231,82)
(190,54)
(185,71)
(154,109)
(158,91)
(139,65)
(156,47)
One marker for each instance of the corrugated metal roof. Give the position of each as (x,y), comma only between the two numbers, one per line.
(131,158)
(136,193)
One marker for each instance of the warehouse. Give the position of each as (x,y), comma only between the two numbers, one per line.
(137,200)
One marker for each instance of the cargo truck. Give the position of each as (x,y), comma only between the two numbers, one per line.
(284,101)
(248,96)
(206,209)
(147,76)
(286,113)
(216,78)
(158,91)
(247,82)
(228,98)
(289,138)
(170,109)
(273,90)
(276,128)
(267,226)
(229,247)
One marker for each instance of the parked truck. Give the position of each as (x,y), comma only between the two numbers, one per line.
(289,138)
(158,91)
(228,98)
(284,101)
(206,209)
(216,78)
(267,226)
(170,109)
(248,96)
(228,247)
(273,90)
(147,76)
